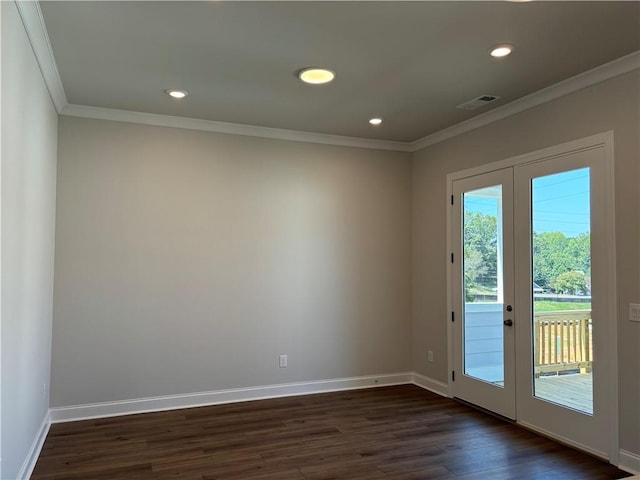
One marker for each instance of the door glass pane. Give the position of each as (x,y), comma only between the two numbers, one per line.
(561,289)
(483,285)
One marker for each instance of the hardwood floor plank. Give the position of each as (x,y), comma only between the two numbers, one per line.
(435,473)
(398,433)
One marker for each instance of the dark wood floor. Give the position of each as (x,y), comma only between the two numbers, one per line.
(401,433)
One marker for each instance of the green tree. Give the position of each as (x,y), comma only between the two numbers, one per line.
(474,268)
(570,282)
(480,247)
(580,247)
(555,254)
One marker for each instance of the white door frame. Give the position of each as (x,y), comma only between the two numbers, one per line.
(500,399)
(603,140)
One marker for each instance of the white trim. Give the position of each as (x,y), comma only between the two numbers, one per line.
(611,294)
(563,440)
(34,452)
(629,462)
(434,386)
(449,280)
(591,77)
(586,79)
(188,400)
(35,27)
(229,128)
(593,141)
(603,140)
(1,150)
(36,30)
(172,402)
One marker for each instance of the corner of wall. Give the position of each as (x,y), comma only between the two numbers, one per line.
(36,447)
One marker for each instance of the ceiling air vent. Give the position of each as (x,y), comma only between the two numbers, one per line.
(480,101)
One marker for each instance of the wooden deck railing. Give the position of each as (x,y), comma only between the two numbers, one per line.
(563,341)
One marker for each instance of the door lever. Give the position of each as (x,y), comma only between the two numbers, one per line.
(508,322)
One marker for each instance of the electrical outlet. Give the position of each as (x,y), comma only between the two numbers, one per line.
(44,390)
(634,312)
(430,356)
(283,361)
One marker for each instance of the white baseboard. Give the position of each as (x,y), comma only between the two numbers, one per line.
(430,384)
(172,402)
(629,462)
(34,452)
(564,440)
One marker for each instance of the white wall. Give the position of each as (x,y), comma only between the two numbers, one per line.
(188,261)
(29,135)
(611,105)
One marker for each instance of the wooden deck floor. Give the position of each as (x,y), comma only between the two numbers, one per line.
(574,390)
(399,433)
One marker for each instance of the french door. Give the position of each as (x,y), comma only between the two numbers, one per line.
(531,296)
(483,290)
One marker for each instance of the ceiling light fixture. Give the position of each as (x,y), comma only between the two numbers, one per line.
(176,93)
(316,75)
(500,51)
(375,121)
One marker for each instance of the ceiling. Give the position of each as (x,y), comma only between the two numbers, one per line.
(411,63)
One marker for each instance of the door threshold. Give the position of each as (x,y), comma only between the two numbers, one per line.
(484,410)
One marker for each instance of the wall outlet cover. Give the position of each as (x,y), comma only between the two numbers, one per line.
(283,361)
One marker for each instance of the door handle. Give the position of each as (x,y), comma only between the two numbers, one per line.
(508,322)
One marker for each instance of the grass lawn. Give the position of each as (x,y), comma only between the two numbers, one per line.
(480,290)
(549,306)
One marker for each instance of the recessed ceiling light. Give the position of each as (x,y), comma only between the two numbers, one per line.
(500,51)
(176,93)
(375,121)
(316,75)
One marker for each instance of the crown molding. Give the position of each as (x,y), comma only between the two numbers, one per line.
(586,79)
(33,21)
(31,15)
(228,128)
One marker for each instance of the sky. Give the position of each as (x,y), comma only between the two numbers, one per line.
(560,203)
